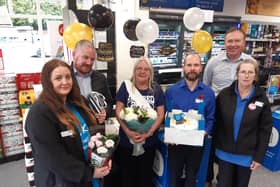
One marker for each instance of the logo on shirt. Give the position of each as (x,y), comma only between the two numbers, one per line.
(149,98)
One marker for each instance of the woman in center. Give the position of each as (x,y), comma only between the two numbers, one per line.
(136,169)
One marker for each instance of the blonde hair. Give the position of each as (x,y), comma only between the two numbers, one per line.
(148,62)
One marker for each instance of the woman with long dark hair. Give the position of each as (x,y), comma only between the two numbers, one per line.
(58,126)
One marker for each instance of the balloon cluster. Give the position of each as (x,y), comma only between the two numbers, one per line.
(99,18)
(193,20)
(146,31)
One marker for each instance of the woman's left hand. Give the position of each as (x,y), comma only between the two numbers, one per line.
(255,165)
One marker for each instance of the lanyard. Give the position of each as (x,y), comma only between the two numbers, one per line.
(84,132)
(85,136)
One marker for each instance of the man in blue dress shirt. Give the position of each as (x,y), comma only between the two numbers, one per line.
(185,95)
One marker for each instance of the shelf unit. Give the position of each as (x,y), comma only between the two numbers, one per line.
(218,44)
(11,134)
(169,38)
(262,42)
(262,47)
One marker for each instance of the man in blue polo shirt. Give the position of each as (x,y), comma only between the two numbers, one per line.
(185,95)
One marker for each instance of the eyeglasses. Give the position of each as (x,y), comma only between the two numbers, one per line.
(142,69)
(248,73)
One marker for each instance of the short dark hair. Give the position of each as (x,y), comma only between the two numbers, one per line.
(191,54)
(233,29)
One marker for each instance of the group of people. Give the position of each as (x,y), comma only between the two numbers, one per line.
(236,111)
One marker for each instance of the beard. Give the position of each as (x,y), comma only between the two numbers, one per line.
(191,76)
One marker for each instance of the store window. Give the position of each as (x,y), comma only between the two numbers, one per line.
(29,33)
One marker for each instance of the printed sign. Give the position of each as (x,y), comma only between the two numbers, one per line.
(263,7)
(216,5)
(137,51)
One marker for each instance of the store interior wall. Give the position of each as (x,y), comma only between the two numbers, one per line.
(125,11)
(129,9)
(237,8)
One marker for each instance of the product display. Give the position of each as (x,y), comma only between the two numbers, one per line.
(10,125)
(262,42)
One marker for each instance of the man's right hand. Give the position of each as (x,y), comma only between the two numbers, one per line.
(101,116)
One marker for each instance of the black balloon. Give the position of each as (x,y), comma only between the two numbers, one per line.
(100,17)
(129,29)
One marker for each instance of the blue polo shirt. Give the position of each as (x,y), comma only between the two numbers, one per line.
(179,96)
(242,160)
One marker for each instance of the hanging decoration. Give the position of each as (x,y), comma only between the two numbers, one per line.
(193,19)
(147,31)
(202,41)
(76,32)
(129,28)
(100,17)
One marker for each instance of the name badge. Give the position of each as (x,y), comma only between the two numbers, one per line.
(259,104)
(198,101)
(66,133)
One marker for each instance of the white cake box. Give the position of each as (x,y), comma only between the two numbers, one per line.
(184,137)
(185,128)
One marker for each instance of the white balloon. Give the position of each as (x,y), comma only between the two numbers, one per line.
(194,19)
(147,31)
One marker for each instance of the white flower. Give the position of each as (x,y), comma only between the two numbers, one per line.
(102,150)
(99,135)
(109,143)
(152,113)
(131,116)
(93,138)
(128,114)
(91,144)
(98,143)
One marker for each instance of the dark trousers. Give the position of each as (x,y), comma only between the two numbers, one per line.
(182,160)
(232,175)
(136,171)
(212,159)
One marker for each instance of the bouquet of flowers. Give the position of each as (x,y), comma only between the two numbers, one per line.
(140,120)
(101,148)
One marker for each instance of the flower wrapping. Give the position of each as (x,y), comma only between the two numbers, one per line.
(139,120)
(101,148)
